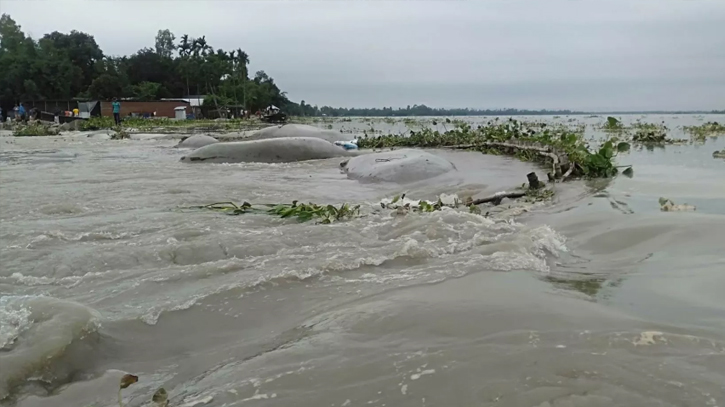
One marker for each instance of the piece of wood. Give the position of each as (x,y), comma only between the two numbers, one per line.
(496,199)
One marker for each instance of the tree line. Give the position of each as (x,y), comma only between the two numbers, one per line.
(418,110)
(65,66)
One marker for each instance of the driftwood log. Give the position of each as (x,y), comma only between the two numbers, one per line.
(496,199)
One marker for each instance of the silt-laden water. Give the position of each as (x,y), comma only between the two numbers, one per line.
(597,299)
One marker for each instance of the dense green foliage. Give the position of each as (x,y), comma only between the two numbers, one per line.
(62,66)
(526,141)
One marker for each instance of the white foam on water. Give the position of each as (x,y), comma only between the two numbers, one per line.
(48,238)
(441,237)
(422,373)
(14,319)
(152,317)
(196,401)
(67,282)
(41,328)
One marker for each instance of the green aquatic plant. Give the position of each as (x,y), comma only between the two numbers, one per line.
(612,124)
(162,124)
(325,214)
(402,205)
(36,129)
(98,123)
(563,148)
(719,154)
(709,129)
(650,133)
(120,134)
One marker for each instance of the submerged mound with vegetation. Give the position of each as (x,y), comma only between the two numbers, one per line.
(565,149)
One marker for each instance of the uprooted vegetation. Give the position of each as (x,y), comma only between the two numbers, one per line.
(564,149)
(535,191)
(324,214)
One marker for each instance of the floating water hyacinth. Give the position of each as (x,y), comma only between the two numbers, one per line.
(560,146)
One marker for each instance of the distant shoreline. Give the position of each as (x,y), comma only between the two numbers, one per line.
(453,113)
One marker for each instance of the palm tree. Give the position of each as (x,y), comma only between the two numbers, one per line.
(184,46)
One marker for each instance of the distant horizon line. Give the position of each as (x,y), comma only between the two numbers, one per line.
(547,110)
(513,109)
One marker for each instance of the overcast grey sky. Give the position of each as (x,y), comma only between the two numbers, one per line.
(587,54)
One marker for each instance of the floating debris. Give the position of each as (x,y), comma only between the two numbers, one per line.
(666,205)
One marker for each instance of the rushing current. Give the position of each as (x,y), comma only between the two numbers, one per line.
(595,299)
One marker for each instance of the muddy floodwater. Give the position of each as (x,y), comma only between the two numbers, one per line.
(595,299)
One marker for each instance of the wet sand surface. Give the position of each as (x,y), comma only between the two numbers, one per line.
(596,299)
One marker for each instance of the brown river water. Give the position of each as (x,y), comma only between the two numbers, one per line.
(594,299)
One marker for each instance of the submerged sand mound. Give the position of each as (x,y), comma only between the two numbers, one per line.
(196,141)
(296,130)
(278,150)
(400,166)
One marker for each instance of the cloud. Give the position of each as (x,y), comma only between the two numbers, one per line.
(617,54)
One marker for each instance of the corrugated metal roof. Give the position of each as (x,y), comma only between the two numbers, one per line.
(193,101)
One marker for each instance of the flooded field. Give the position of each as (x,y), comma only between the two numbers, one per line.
(594,299)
